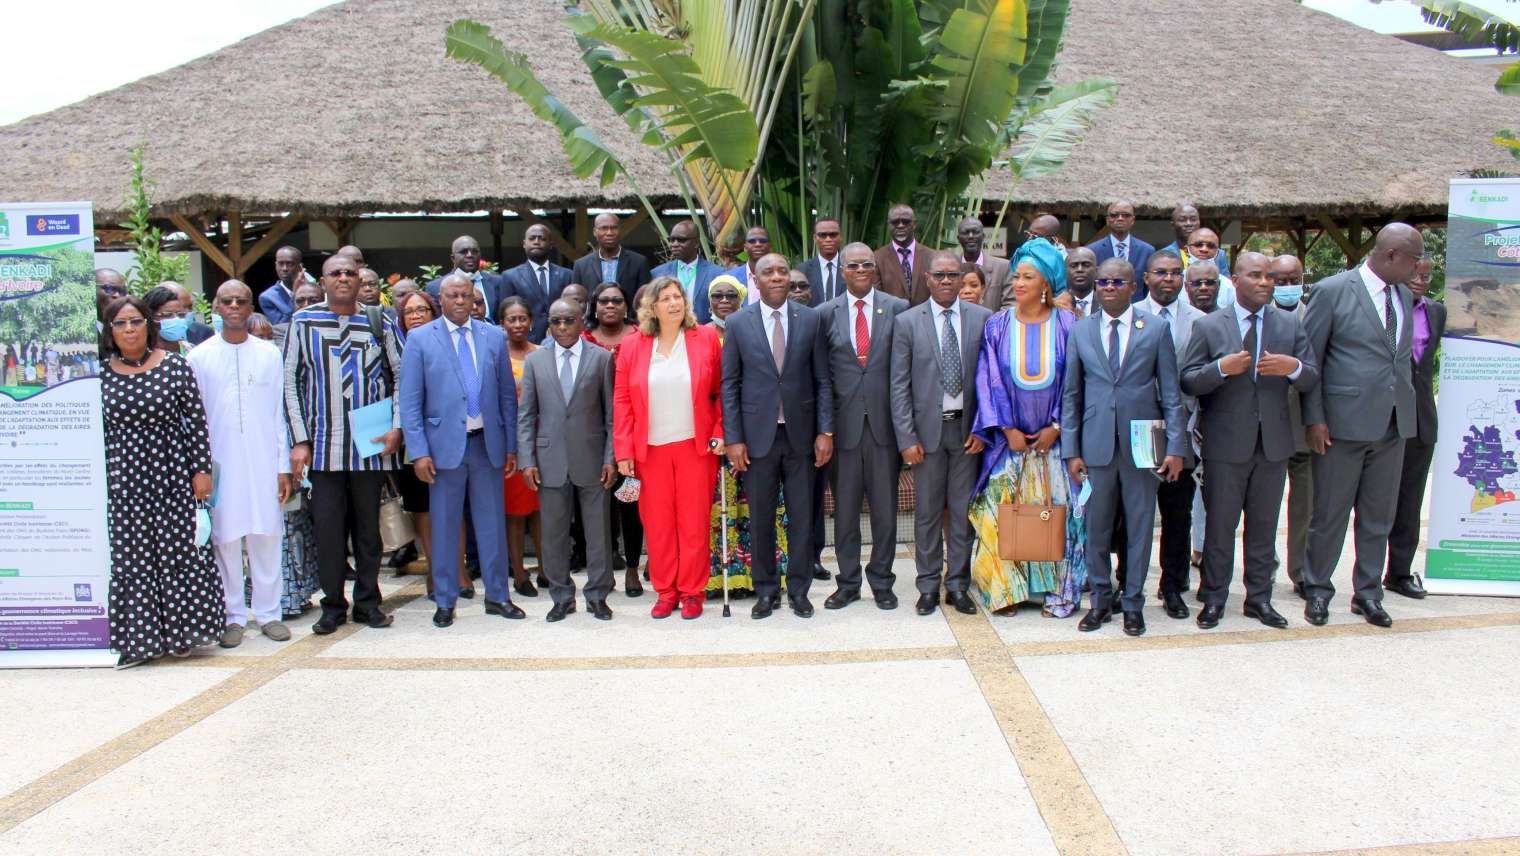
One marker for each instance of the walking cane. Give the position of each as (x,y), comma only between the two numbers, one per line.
(723,538)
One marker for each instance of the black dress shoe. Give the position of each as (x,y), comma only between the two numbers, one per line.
(543,581)
(1409,586)
(376,619)
(558,611)
(802,607)
(524,588)
(599,610)
(505,610)
(1208,617)
(467,593)
(762,608)
(1265,614)
(1317,611)
(927,603)
(961,601)
(443,617)
(841,598)
(819,573)
(328,624)
(1094,619)
(1371,610)
(776,600)
(1134,623)
(1298,589)
(1175,608)
(884,599)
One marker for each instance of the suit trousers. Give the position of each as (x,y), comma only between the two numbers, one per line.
(1363,476)
(867,471)
(944,481)
(1254,488)
(1175,501)
(1404,538)
(263,575)
(557,506)
(1138,489)
(793,468)
(478,481)
(675,503)
(344,504)
(1300,507)
(824,478)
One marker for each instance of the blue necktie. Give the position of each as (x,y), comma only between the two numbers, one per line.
(467,371)
(1115,359)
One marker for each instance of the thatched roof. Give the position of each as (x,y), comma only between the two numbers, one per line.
(1246,107)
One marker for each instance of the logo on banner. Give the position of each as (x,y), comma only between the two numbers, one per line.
(52,224)
(82,592)
(1481,198)
(5,227)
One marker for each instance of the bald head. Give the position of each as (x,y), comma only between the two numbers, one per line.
(1081,271)
(608,230)
(233,288)
(234,303)
(971,236)
(1396,252)
(465,253)
(184,293)
(352,252)
(1046,226)
(1184,220)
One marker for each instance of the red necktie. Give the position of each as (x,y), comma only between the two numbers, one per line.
(862,333)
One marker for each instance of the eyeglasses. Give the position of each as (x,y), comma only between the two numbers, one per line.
(609,300)
(307,301)
(1288,281)
(233,301)
(128,323)
(1166,274)
(1112,283)
(825,235)
(757,240)
(1121,215)
(562,320)
(1203,245)
(1213,282)
(942,275)
(113,290)
(417,312)
(344,273)
(901,221)
(865,265)
(725,296)
(165,316)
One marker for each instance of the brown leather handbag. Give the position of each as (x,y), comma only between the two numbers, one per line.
(1028,532)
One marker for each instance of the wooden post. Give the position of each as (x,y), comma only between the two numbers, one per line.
(566,249)
(582,233)
(276,231)
(204,244)
(496,230)
(626,227)
(235,241)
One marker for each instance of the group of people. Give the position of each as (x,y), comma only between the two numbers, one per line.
(707,410)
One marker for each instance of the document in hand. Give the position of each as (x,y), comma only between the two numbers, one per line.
(1147,442)
(367,423)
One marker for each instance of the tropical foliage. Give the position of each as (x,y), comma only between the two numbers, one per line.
(771,110)
(152,266)
(1492,24)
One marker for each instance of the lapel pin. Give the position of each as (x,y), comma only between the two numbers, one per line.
(1139,324)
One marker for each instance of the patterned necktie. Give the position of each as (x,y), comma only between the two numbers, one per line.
(1250,344)
(1082,305)
(862,333)
(1115,358)
(907,266)
(950,358)
(467,370)
(1390,323)
(828,281)
(1121,251)
(566,374)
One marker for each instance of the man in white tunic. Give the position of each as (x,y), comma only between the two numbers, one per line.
(241,378)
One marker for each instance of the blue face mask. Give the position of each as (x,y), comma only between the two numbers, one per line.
(173,329)
(1287,296)
(216,323)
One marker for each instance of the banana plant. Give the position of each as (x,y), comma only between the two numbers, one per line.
(1483,23)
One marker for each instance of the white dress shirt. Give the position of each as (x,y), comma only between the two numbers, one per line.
(823,276)
(951,402)
(471,423)
(1379,292)
(1180,330)
(535,270)
(670,416)
(1127,244)
(1243,321)
(1085,305)
(1126,321)
(870,308)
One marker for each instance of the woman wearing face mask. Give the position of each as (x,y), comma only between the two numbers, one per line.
(172,316)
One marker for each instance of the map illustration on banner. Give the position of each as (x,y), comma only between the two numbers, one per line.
(54,553)
(1474,538)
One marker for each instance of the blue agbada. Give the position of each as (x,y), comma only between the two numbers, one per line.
(1019,376)
(1046,258)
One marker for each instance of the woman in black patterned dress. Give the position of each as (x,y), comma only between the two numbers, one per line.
(166,592)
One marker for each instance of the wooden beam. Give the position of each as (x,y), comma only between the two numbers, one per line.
(235,241)
(582,241)
(566,249)
(341,228)
(496,230)
(626,227)
(276,231)
(204,244)
(1338,236)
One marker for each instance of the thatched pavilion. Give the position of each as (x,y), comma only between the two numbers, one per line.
(1261,112)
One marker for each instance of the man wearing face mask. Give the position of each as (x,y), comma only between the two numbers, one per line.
(196,332)
(1288,295)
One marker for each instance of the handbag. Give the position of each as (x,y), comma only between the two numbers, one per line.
(1028,532)
(396,530)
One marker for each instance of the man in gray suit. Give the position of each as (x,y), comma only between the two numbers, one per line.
(1121,366)
(858,327)
(1240,362)
(564,438)
(971,236)
(1429,326)
(934,350)
(1361,327)
(1288,294)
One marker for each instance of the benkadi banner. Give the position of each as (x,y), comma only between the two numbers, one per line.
(54,554)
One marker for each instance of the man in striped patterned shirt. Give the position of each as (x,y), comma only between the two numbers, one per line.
(341,356)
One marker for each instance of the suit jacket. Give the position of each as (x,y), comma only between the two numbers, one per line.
(1096,407)
(754,392)
(198,332)
(277,302)
(1424,373)
(862,394)
(630,393)
(520,281)
(1362,386)
(706,273)
(566,439)
(999,272)
(433,396)
(1295,398)
(918,396)
(632,274)
(1139,253)
(490,283)
(1233,409)
(813,270)
(889,267)
(1181,318)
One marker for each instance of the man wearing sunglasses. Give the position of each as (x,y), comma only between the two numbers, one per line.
(612,262)
(1186,221)
(824,275)
(109,285)
(757,245)
(687,267)
(538,281)
(1203,247)
(903,263)
(1119,243)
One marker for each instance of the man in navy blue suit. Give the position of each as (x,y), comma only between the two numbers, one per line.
(465,254)
(459,414)
(1120,244)
(537,281)
(689,268)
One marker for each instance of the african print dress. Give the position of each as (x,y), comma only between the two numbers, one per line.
(166,591)
(730,491)
(1018,385)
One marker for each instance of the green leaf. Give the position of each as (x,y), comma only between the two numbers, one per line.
(1508,140)
(1047,23)
(472,42)
(818,91)
(1044,136)
(1509,80)
(1473,22)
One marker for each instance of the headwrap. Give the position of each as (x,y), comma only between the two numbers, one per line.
(1046,259)
(724,279)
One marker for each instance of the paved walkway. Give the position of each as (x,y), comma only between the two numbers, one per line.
(853,732)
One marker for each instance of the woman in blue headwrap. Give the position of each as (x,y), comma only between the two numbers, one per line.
(1018,385)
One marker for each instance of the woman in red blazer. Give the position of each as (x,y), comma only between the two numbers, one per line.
(668,432)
